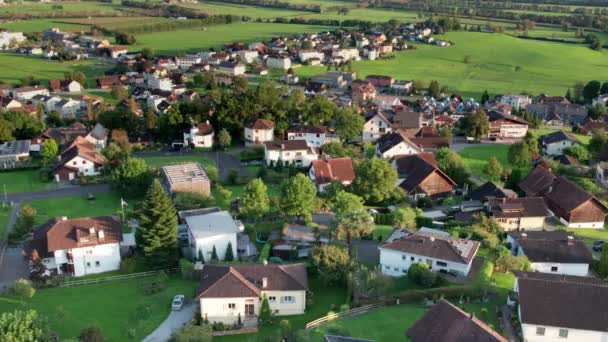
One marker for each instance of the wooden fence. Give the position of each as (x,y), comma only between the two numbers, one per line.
(114,278)
(339,315)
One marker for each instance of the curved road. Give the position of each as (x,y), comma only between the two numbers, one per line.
(174,321)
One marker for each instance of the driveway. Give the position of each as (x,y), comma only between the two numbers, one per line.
(12,266)
(175,321)
(367,250)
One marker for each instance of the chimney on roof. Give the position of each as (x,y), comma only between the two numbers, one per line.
(101,235)
(92,230)
(64,218)
(524,235)
(264,282)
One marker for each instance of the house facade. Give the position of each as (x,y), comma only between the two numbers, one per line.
(376,126)
(420,176)
(554,144)
(395,143)
(294,152)
(324,171)
(81,158)
(210,229)
(314,135)
(201,135)
(526,213)
(259,131)
(503,126)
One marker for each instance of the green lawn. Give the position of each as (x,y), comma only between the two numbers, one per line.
(476,157)
(383,231)
(237,192)
(37,25)
(119,308)
(4,216)
(162,161)
(22,181)
(15,67)
(76,206)
(543,67)
(216,36)
(39,8)
(590,234)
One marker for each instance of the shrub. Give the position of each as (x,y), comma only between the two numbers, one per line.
(265,253)
(186,268)
(157,284)
(424,202)
(22,288)
(91,334)
(128,265)
(265,312)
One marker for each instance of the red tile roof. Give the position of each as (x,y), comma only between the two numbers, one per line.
(340,169)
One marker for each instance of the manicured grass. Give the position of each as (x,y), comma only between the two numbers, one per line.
(543,67)
(325,299)
(216,35)
(117,307)
(38,8)
(37,25)
(382,230)
(584,139)
(169,160)
(590,234)
(15,67)
(76,206)
(118,23)
(22,181)
(476,157)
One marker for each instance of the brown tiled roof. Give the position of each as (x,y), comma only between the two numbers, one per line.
(537,181)
(407,119)
(566,195)
(340,169)
(490,189)
(260,124)
(110,81)
(447,323)
(494,115)
(60,84)
(431,142)
(204,128)
(443,248)
(518,207)
(230,281)
(563,301)
(415,168)
(82,148)
(313,129)
(287,145)
(60,234)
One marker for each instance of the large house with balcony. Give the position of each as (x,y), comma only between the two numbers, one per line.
(440,253)
(314,135)
(506,126)
(80,158)
(77,247)
(292,152)
(233,293)
(526,213)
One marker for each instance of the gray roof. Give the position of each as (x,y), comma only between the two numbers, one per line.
(210,224)
(10,148)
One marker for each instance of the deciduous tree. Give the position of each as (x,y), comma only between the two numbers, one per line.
(255,202)
(23,326)
(375,180)
(298,196)
(477,125)
(519,155)
(493,169)
(49,151)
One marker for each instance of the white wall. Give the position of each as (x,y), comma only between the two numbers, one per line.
(86,258)
(301,158)
(552,334)
(568,269)
(395,263)
(372,129)
(312,139)
(401,148)
(219,240)
(557,149)
(85,167)
(259,135)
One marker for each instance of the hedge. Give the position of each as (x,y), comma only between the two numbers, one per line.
(451,292)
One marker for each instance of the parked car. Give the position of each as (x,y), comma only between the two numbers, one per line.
(598,245)
(178,302)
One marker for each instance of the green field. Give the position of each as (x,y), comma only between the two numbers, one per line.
(37,25)
(15,67)
(117,23)
(216,36)
(22,181)
(39,8)
(476,157)
(122,310)
(77,206)
(543,67)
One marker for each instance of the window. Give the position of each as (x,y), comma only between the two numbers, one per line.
(412,258)
(288,299)
(74,163)
(553,268)
(404,257)
(84,161)
(231,306)
(540,331)
(441,263)
(88,264)
(272,299)
(97,263)
(563,333)
(387,267)
(395,269)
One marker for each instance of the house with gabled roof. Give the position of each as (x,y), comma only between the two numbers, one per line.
(556,252)
(77,247)
(259,131)
(314,135)
(293,152)
(506,126)
(67,85)
(229,293)
(376,125)
(556,307)
(395,143)
(554,144)
(525,213)
(324,171)
(80,158)
(491,190)
(420,176)
(570,203)
(201,135)
(446,322)
(441,253)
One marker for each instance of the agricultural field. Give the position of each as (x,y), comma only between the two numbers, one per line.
(15,67)
(518,65)
(37,8)
(216,35)
(118,23)
(37,25)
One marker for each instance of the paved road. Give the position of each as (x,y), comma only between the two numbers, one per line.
(73,190)
(367,250)
(175,320)
(12,267)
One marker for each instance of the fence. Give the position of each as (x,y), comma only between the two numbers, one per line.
(339,315)
(115,278)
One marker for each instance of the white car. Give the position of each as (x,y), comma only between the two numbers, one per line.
(178,302)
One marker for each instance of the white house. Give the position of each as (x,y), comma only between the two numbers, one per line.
(524,213)
(554,144)
(295,152)
(7,39)
(157,79)
(554,307)
(211,228)
(376,126)
(67,107)
(232,68)
(395,143)
(81,158)
(248,56)
(314,135)
(98,136)
(387,102)
(77,247)
(554,252)
(305,55)
(186,62)
(278,62)
(200,135)
(233,293)
(346,54)
(259,131)
(440,253)
(516,101)
(26,93)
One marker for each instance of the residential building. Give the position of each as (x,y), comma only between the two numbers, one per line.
(297,241)
(68,108)
(572,205)
(517,102)
(248,56)
(278,62)
(108,82)
(295,152)
(395,143)
(9,103)
(446,322)
(66,85)
(554,307)
(346,54)
(324,171)
(363,91)
(332,80)
(506,126)
(209,229)
(440,253)
(80,158)
(386,102)
(554,144)
(187,177)
(259,131)
(187,61)
(200,135)
(314,135)
(7,39)
(26,93)
(490,190)
(305,55)
(14,152)
(232,68)
(376,125)
(77,247)
(420,176)
(601,174)
(227,292)
(556,252)
(380,81)
(526,213)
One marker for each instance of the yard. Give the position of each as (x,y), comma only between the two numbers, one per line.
(159,161)
(22,181)
(546,130)
(5,213)
(590,234)
(521,65)
(476,157)
(122,310)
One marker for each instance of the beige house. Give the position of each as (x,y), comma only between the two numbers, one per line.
(187,177)
(527,213)
(259,131)
(229,293)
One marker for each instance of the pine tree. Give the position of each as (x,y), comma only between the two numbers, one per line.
(265,312)
(568,95)
(229,253)
(214,254)
(602,265)
(201,258)
(158,228)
